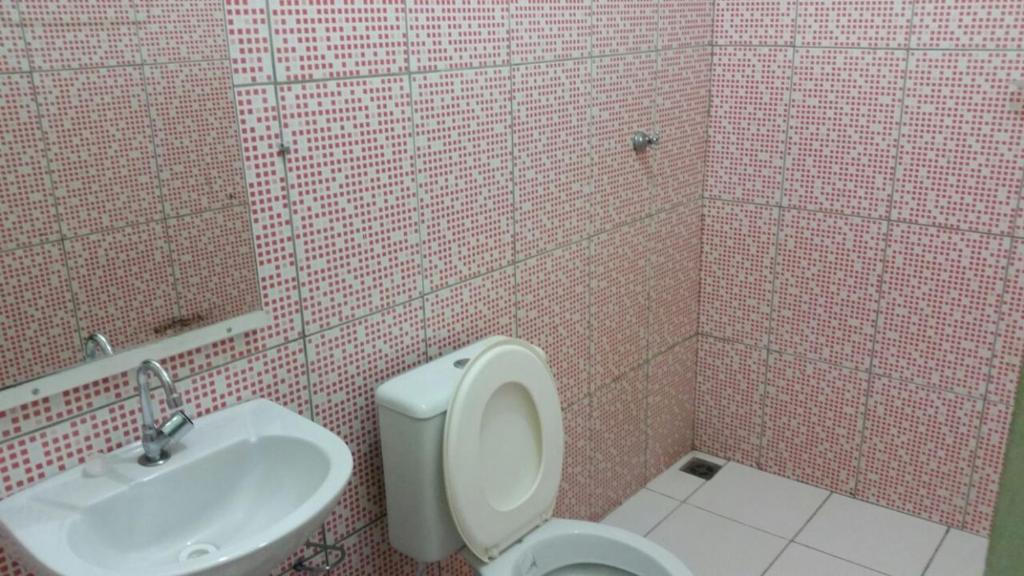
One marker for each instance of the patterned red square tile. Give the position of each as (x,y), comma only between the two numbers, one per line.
(446,34)
(938,311)
(80,33)
(918,449)
(961,144)
(27,212)
(554,169)
(103,169)
(320,39)
(47,411)
(674,292)
(36,313)
(843,130)
(463,314)
(683,23)
(8,567)
(619,307)
(248,25)
(813,417)
(624,26)
(214,264)
(1009,348)
(353,201)
(126,308)
(369,553)
(618,436)
(747,130)
(173,31)
(968,24)
(857,23)
(988,468)
(346,365)
(671,405)
(623,103)
(13,54)
(550,29)
(827,282)
(196,128)
(730,382)
(574,492)
(464,152)
(755,21)
(736,271)
(553,312)
(684,87)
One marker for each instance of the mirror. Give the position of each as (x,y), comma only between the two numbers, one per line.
(123,200)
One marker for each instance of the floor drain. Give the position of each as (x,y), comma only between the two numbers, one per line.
(701,468)
(196,551)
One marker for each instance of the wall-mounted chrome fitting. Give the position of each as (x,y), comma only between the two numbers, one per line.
(641,141)
(97,346)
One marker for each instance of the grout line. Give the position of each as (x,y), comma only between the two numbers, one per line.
(935,552)
(811,517)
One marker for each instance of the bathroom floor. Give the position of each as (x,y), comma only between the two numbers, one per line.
(744,522)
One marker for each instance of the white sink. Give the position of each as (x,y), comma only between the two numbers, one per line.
(238,495)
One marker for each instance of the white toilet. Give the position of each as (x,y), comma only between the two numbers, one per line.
(472,445)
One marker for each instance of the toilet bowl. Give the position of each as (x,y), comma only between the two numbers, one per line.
(472,445)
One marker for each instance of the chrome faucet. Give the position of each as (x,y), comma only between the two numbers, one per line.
(157,439)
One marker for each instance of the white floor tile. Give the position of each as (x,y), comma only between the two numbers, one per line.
(961,554)
(714,546)
(799,560)
(872,536)
(641,512)
(677,484)
(766,501)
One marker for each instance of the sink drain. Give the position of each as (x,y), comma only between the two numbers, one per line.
(196,551)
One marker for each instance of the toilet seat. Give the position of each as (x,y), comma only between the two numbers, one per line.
(503,447)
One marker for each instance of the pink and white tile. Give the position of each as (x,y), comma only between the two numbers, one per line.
(624,26)
(1009,348)
(755,22)
(618,437)
(550,29)
(674,291)
(730,382)
(988,467)
(683,90)
(574,493)
(671,405)
(47,411)
(248,25)
(683,23)
(448,34)
(460,315)
(855,24)
(13,54)
(964,24)
(63,34)
(172,31)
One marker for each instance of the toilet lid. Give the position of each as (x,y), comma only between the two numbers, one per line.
(503,447)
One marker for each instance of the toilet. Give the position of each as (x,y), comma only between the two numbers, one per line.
(472,444)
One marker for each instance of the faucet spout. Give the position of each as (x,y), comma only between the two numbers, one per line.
(156,439)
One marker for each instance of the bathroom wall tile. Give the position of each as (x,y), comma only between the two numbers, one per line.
(858,23)
(127,309)
(173,31)
(961,144)
(346,365)
(370,554)
(13,54)
(618,436)
(197,144)
(214,264)
(354,212)
(968,24)
(730,382)
(27,211)
(550,29)
(1009,347)
(460,315)
(64,34)
(813,417)
(103,169)
(35,305)
(674,292)
(554,176)
(683,90)
(683,23)
(939,307)
(248,25)
(9,567)
(988,467)
(747,130)
(458,33)
(318,39)
(671,402)
(619,302)
(826,289)
(553,312)
(843,130)
(754,21)
(574,493)
(736,271)
(464,159)
(918,449)
(624,26)
(68,404)
(624,95)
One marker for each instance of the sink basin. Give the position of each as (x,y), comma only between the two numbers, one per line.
(237,497)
